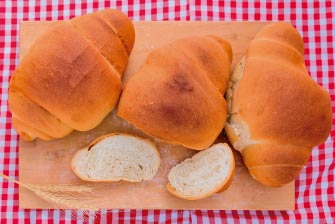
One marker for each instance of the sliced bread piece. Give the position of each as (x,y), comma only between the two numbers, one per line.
(117,157)
(206,173)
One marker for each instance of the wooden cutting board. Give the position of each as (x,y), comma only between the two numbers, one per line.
(49,162)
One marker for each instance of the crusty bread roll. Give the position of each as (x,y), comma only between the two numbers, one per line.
(177,95)
(277,113)
(71,77)
(206,173)
(117,157)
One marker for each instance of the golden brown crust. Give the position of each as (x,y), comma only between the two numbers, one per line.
(213,59)
(275,164)
(96,29)
(275,176)
(122,26)
(286,112)
(76,90)
(225,45)
(26,132)
(66,79)
(277,98)
(172,97)
(39,121)
(284,33)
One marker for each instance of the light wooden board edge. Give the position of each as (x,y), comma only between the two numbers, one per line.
(163,33)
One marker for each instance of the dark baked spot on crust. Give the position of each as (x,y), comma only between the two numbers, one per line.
(172,113)
(179,116)
(203,57)
(180,84)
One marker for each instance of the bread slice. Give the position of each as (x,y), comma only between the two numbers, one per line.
(206,173)
(117,157)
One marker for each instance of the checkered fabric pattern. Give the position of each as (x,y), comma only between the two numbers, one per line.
(315,20)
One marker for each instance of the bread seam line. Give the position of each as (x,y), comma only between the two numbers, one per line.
(276,165)
(116,33)
(96,49)
(200,66)
(278,42)
(35,129)
(16,117)
(285,63)
(268,142)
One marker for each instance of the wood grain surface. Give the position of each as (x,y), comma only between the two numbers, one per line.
(49,162)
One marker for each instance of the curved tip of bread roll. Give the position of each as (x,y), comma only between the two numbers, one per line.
(275,164)
(275,175)
(117,157)
(206,173)
(123,26)
(283,32)
(225,45)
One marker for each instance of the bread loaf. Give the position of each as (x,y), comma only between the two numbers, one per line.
(71,77)
(177,95)
(203,175)
(117,157)
(277,113)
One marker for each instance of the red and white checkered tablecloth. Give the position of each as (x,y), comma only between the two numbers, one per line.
(315,20)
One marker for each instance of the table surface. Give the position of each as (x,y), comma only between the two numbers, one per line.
(315,196)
